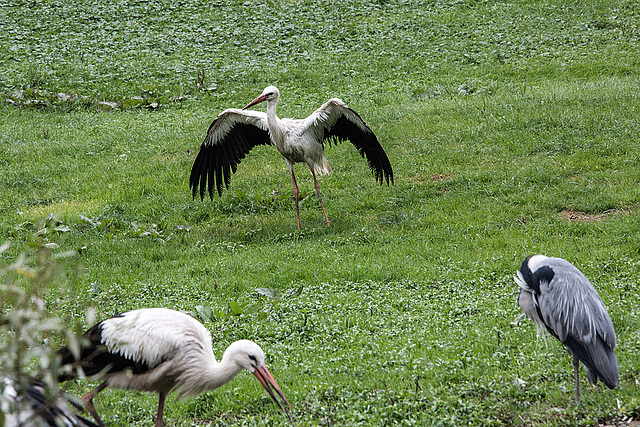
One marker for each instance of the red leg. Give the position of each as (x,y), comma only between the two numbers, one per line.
(315,181)
(295,194)
(88,402)
(160,410)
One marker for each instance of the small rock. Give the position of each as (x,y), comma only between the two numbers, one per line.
(108,106)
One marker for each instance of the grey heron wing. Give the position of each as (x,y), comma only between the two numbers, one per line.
(571,306)
(574,312)
(334,119)
(229,138)
(599,358)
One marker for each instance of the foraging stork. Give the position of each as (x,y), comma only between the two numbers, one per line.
(161,350)
(31,404)
(235,132)
(558,297)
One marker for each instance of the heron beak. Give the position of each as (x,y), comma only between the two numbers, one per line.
(269,383)
(520,280)
(258,100)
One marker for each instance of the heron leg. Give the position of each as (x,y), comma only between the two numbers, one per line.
(160,409)
(295,194)
(88,403)
(315,181)
(576,365)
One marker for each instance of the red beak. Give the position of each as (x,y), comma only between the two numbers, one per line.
(266,379)
(258,100)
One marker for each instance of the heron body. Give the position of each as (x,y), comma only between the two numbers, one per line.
(560,299)
(31,405)
(161,350)
(235,132)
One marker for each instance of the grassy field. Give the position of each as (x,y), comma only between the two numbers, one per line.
(512,128)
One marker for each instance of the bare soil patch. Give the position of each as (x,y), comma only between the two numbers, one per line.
(572,215)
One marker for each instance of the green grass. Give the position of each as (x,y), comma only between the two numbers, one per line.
(512,129)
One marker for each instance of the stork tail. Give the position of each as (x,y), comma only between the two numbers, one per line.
(322,169)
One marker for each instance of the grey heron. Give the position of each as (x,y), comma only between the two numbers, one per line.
(559,298)
(235,132)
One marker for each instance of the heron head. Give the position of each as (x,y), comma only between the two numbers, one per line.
(534,269)
(523,275)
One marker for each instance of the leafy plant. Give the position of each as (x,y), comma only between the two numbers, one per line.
(28,330)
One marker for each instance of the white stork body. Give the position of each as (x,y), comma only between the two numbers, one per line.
(235,132)
(559,298)
(161,350)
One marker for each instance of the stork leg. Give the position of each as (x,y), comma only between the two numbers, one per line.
(88,403)
(315,181)
(295,194)
(576,365)
(160,409)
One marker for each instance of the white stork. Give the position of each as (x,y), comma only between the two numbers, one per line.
(235,132)
(559,298)
(161,350)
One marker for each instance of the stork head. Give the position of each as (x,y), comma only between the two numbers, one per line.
(248,355)
(269,93)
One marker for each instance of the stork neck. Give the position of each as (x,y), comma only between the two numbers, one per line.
(273,122)
(222,373)
(271,110)
(205,374)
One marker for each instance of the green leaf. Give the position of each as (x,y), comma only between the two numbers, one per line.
(205,312)
(236,309)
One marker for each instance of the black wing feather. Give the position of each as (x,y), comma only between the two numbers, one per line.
(215,162)
(54,411)
(95,358)
(49,409)
(366,143)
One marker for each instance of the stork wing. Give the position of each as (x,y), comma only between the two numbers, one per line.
(229,138)
(96,358)
(335,119)
(138,341)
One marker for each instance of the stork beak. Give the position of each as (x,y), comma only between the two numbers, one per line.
(258,100)
(269,383)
